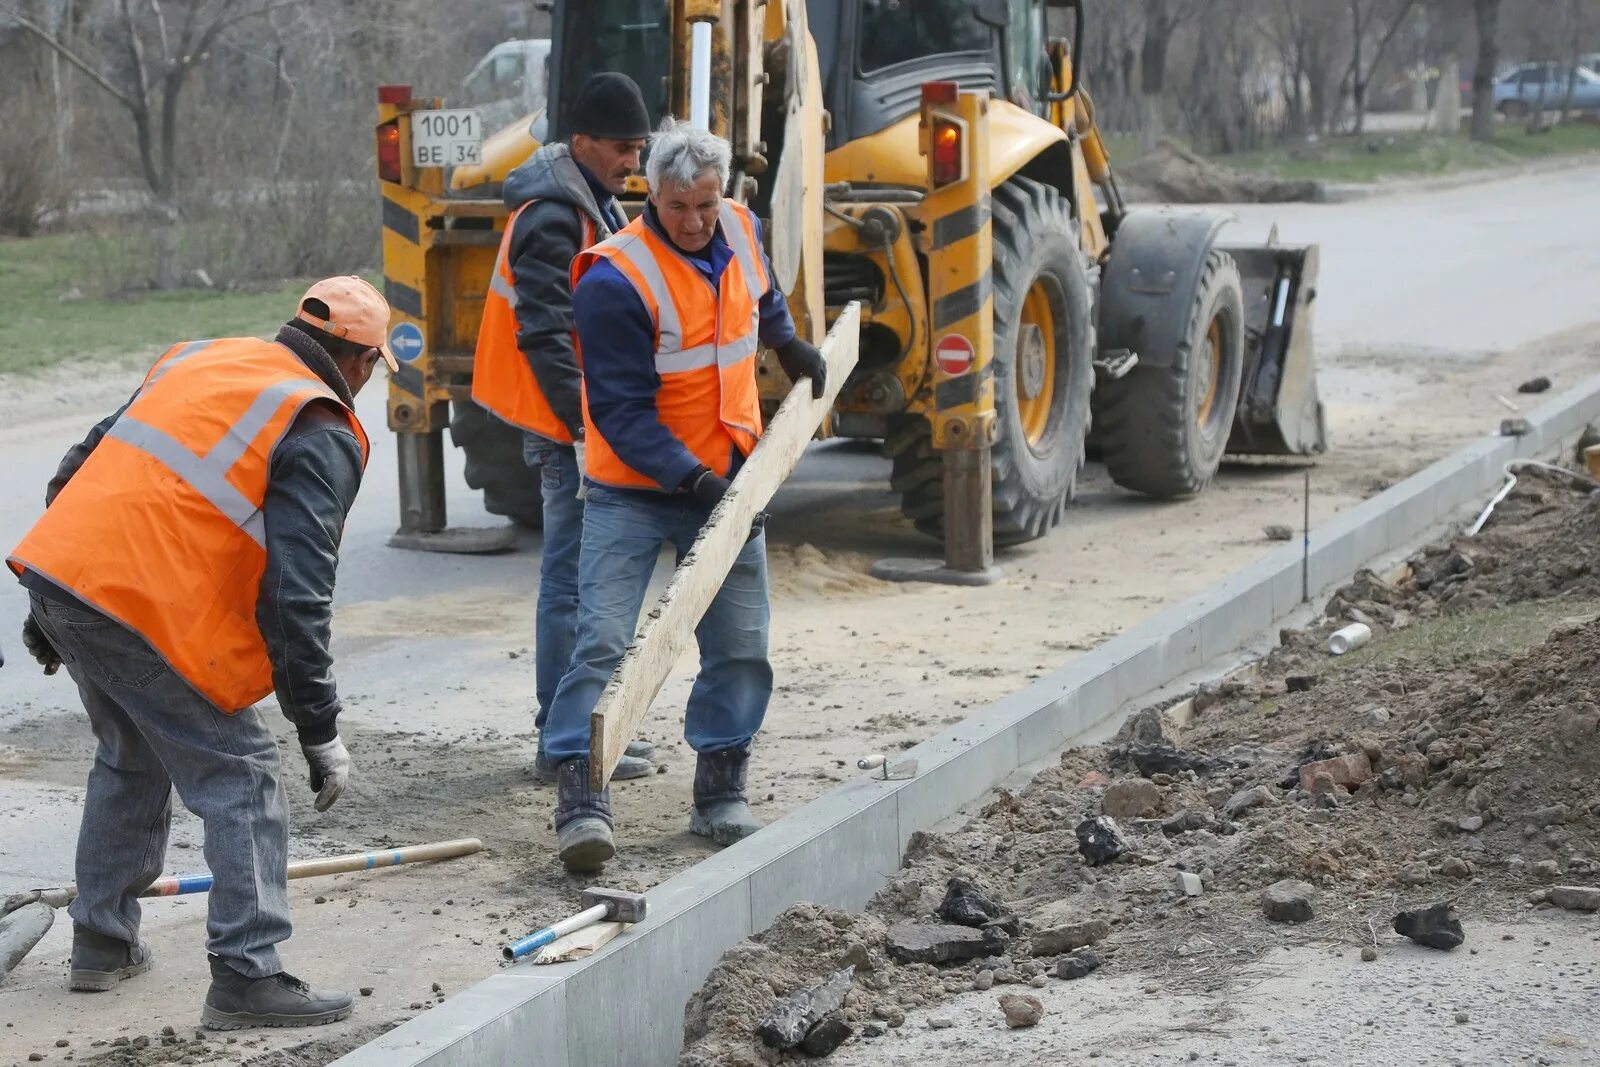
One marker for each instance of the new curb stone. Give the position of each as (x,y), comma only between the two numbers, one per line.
(625,1004)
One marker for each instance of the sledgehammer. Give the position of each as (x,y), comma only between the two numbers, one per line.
(600,905)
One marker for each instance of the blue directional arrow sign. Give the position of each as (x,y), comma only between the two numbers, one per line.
(405,341)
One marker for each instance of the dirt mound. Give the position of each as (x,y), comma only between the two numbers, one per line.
(1172,174)
(1460,771)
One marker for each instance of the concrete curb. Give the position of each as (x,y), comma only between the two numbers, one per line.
(625,1004)
(1346,192)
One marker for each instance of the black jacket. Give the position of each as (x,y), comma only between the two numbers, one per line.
(544,241)
(315,474)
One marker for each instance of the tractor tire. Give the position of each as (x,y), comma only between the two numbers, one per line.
(495,464)
(1043,372)
(1163,430)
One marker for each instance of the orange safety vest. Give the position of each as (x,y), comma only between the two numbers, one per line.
(706,341)
(161,528)
(502,380)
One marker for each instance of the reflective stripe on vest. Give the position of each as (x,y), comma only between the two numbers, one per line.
(161,528)
(706,342)
(502,380)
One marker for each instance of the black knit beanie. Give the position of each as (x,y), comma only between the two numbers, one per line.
(610,105)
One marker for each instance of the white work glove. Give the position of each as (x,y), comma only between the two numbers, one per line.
(583,490)
(330,770)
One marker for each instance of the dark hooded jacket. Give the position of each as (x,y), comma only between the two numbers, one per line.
(544,241)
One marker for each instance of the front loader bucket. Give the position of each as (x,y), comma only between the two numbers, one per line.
(1279,412)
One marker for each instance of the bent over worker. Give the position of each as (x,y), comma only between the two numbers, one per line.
(525,370)
(183,570)
(669,313)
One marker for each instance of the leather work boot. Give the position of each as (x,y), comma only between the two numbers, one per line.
(583,818)
(234,1002)
(721,810)
(635,763)
(100,962)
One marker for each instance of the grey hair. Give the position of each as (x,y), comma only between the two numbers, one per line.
(680,154)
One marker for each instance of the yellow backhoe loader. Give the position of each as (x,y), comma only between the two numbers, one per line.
(939,162)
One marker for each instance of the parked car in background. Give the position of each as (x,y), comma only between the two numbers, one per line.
(508,82)
(1522,91)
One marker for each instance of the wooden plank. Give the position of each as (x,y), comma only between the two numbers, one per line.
(669,627)
(580,943)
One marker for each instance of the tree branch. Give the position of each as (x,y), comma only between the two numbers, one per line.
(209,36)
(72,57)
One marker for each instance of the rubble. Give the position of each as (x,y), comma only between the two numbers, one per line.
(1131,798)
(1021,1010)
(1100,840)
(1288,901)
(1059,939)
(1079,964)
(1436,926)
(791,1019)
(1347,771)
(966,905)
(1246,799)
(919,943)
(830,1032)
(1575,897)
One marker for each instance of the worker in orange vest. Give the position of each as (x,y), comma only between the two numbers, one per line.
(525,369)
(183,570)
(670,313)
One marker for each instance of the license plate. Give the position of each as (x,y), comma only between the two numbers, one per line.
(451,137)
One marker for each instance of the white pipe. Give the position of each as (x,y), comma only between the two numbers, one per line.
(1350,638)
(700,77)
(1282,302)
(1577,480)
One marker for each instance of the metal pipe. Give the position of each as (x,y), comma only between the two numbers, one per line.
(700,77)
(540,938)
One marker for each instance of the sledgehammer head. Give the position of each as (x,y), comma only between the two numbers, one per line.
(620,907)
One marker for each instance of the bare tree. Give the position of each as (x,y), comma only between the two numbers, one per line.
(1486,16)
(1366,17)
(1161,20)
(159,56)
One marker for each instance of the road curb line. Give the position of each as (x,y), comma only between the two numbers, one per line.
(625,1004)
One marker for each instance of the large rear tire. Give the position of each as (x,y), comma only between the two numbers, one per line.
(1163,429)
(1043,372)
(495,464)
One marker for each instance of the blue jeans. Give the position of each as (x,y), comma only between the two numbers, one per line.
(623,532)
(156,732)
(556,618)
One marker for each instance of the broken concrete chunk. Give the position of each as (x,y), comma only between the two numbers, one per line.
(966,905)
(1100,840)
(829,1033)
(1021,1009)
(1131,798)
(1150,726)
(1288,901)
(1245,799)
(1375,715)
(1151,760)
(1415,874)
(1348,771)
(1470,824)
(1188,883)
(1080,964)
(1575,897)
(921,943)
(1278,532)
(1436,926)
(791,1018)
(1299,683)
(1184,822)
(1534,385)
(1059,939)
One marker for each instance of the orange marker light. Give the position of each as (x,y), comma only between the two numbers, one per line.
(948,157)
(389,152)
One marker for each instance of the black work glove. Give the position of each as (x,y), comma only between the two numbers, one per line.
(39,646)
(706,487)
(800,359)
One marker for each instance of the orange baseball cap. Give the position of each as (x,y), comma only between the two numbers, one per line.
(356,312)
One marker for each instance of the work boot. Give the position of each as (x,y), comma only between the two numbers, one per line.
(583,818)
(100,961)
(635,763)
(721,810)
(234,1002)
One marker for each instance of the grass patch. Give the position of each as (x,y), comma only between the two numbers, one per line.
(50,312)
(1375,156)
(1474,637)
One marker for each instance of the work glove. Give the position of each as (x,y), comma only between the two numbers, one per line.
(707,488)
(583,490)
(330,770)
(39,646)
(799,359)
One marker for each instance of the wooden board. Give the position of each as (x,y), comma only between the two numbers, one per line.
(579,943)
(669,627)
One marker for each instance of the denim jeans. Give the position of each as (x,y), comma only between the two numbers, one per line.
(156,732)
(556,617)
(622,534)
